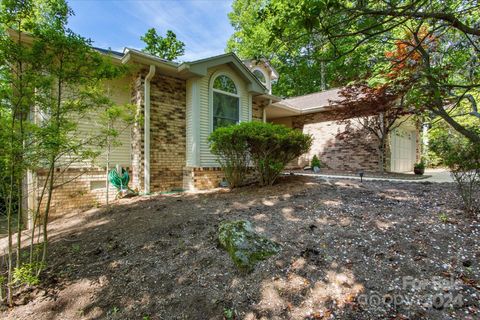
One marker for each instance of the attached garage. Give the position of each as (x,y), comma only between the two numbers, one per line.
(343,144)
(403,144)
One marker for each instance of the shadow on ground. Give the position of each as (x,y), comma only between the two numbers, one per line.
(343,241)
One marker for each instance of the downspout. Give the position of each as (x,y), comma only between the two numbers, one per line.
(146,125)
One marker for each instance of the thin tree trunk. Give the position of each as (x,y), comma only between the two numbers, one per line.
(10,249)
(20,162)
(382,156)
(53,158)
(19,223)
(108,166)
(47,210)
(36,214)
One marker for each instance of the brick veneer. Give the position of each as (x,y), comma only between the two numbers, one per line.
(138,132)
(341,146)
(76,189)
(196,178)
(167,132)
(257,108)
(203,178)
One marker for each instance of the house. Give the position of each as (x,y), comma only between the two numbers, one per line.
(345,145)
(182,103)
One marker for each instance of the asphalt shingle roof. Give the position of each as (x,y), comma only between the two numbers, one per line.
(314,100)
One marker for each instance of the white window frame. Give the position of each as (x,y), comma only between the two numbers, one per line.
(212,90)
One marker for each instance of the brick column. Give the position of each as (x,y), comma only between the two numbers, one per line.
(138,133)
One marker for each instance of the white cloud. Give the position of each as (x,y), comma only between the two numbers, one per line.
(202,25)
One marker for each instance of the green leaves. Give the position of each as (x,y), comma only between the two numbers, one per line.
(269,147)
(436,42)
(168,47)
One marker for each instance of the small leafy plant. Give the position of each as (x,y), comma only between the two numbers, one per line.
(443,217)
(27,274)
(420,165)
(228,313)
(315,162)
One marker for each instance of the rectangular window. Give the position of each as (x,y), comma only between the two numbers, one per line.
(225,110)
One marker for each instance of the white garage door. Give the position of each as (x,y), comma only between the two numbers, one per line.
(403,146)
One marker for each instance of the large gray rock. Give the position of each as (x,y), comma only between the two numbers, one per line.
(244,246)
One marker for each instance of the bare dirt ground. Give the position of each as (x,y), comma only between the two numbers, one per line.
(350,250)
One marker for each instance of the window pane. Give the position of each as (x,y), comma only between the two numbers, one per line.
(259,76)
(225,110)
(219,122)
(224,83)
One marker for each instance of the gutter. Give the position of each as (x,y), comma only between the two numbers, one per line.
(146,180)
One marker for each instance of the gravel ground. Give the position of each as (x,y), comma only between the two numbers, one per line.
(350,250)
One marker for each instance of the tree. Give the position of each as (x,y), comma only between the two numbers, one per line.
(462,157)
(53,74)
(298,57)
(17,91)
(75,71)
(360,31)
(376,110)
(113,120)
(168,47)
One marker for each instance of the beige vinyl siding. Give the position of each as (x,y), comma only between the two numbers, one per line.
(206,158)
(119,90)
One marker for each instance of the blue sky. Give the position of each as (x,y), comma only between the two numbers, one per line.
(202,24)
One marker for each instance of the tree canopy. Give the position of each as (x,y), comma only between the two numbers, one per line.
(168,47)
(431,47)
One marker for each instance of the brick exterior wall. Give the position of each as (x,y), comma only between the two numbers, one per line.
(204,178)
(76,189)
(167,132)
(257,108)
(138,133)
(340,146)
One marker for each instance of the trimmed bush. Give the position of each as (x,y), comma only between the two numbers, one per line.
(272,147)
(269,147)
(231,150)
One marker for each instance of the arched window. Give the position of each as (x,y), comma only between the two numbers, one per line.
(260,76)
(226,102)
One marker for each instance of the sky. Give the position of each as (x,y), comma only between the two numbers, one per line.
(202,25)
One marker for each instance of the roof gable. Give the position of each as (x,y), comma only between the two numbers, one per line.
(200,68)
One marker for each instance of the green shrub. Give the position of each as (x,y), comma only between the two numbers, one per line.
(420,165)
(315,162)
(268,147)
(463,159)
(272,147)
(230,148)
